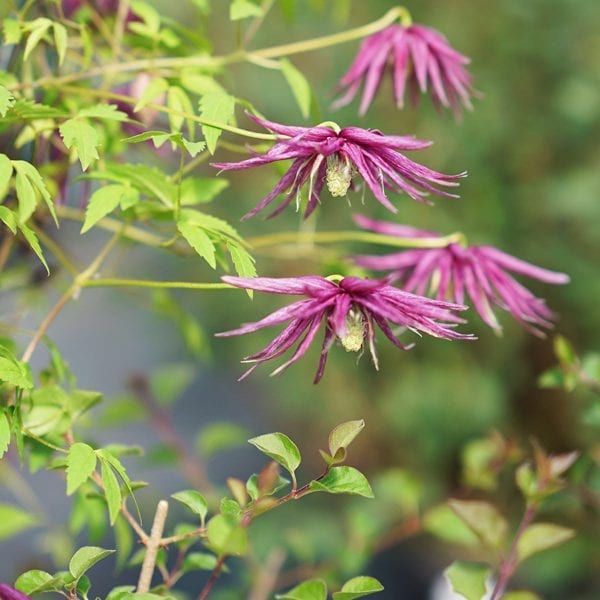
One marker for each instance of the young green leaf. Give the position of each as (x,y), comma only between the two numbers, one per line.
(298,84)
(542,536)
(37,30)
(197,238)
(169,381)
(30,581)
(243,9)
(468,579)
(61,41)
(112,491)
(13,371)
(483,519)
(4,433)
(343,480)
(85,558)
(12,31)
(444,523)
(243,261)
(217,107)
(199,561)
(81,463)
(6,102)
(195,501)
(280,448)
(152,91)
(219,436)
(226,536)
(28,171)
(106,112)
(521,595)
(313,589)
(9,218)
(13,520)
(79,135)
(357,587)
(342,436)
(102,202)
(199,190)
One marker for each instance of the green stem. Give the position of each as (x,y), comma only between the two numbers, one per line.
(145,283)
(283,237)
(215,61)
(178,180)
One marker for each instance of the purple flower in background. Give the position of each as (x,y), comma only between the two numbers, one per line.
(420,58)
(351,307)
(481,272)
(327,154)
(9,593)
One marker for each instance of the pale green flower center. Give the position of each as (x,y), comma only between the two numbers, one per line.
(339,175)
(353,340)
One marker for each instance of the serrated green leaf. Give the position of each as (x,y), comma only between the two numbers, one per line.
(13,371)
(12,31)
(199,241)
(30,581)
(37,30)
(79,135)
(343,435)
(357,587)
(193,148)
(178,100)
(61,41)
(195,501)
(112,491)
(28,171)
(7,100)
(4,433)
(298,84)
(243,261)
(13,520)
(343,480)
(280,448)
(199,83)
(85,558)
(226,536)
(102,202)
(105,112)
(153,90)
(6,171)
(81,463)
(542,536)
(313,589)
(468,579)
(217,107)
(9,218)
(483,519)
(26,196)
(243,9)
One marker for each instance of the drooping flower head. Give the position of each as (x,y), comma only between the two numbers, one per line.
(326,154)
(455,271)
(419,58)
(350,308)
(9,593)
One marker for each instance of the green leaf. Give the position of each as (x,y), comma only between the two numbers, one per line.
(37,30)
(123,541)
(313,589)
(219,436)
(13,520)
(218,107)
(178,100)
(199,241)
(243,261)
(81,463)
(148,14)
(152,91)
(112,491)
(30,581)
(13,371)
(541,536)
(102,202)
(298,84)
(25,195)
(108,456)
(521,595)
(7,100)
(193,148)
(468,578)
(342,436)
(280,448)
(28,171)
(357,587)
(564,351)
(34,243)
(85,558)
(105,112)
(79,135)
(195,501)
(199,561)
(6,171)
(242,9)
(9,218)
(483,519)
(12,31)
(4,433)
(252,486)
(226,536)
(168,382)
(199,190)
(343,480)
(61,41)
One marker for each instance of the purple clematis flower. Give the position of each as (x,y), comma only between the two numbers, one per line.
(418,56)
(481,272)
(9,593)
(328,154)
(351,307)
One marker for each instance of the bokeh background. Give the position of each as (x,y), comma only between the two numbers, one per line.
(531,147)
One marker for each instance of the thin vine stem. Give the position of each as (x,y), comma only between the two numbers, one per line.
(146,283)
